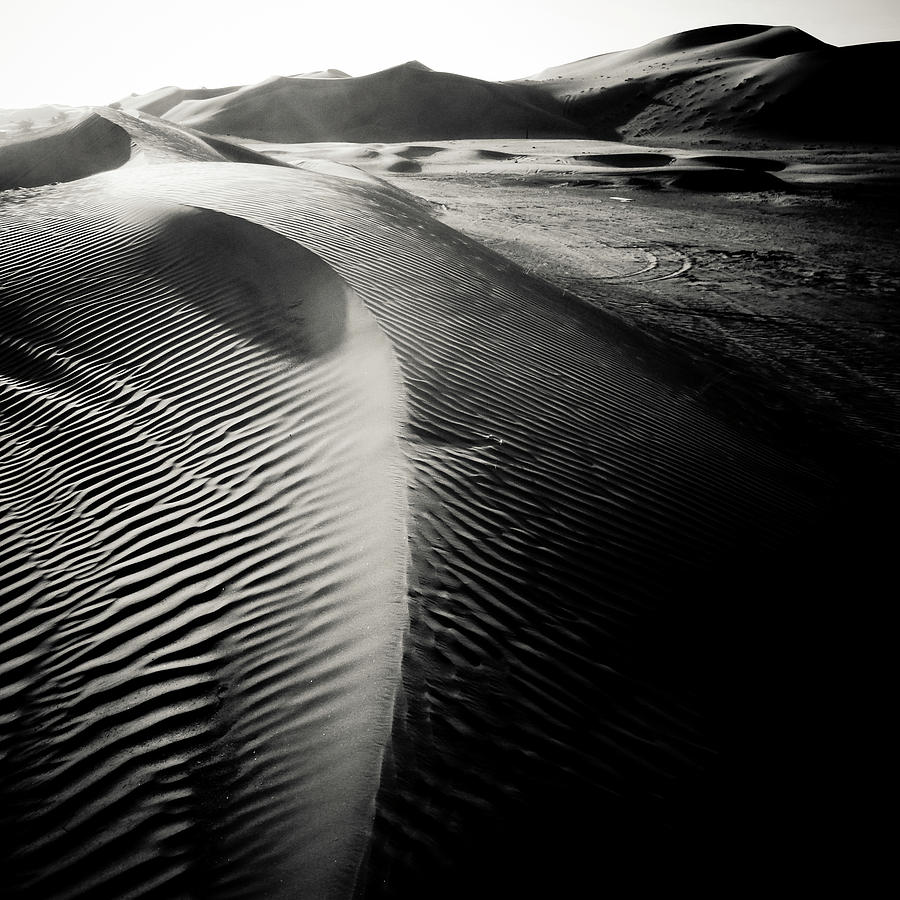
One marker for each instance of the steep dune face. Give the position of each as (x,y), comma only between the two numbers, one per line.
(569,495)
(93,144)
(408,102)
(748,80)
(103,139)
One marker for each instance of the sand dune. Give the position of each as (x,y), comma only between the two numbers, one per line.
(204,539)
(567,487)
(588,163)
(772,84)
(64,153)
(323,73)
(163,99)
(749,80)
(235,398)
(34,116)
(407,102)
(101,139)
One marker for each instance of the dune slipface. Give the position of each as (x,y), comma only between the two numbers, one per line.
(204,549)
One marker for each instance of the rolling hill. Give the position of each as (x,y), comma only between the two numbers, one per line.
(752,81)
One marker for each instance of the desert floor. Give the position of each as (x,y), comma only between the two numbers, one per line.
(789,284)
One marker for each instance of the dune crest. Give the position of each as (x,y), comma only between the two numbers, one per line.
(568,490)
(775,83)
(406,102)
(101,139)
(160,101)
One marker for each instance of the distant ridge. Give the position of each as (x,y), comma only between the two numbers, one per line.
(163,99)
(775,83)
(763,83)
(406,102)
(323,73)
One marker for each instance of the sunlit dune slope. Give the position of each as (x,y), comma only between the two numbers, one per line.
(407,102)
(750,80)
(160,101)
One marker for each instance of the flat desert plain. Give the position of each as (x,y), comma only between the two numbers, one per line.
(414,486)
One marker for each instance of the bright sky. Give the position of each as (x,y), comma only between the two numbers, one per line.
(95,51)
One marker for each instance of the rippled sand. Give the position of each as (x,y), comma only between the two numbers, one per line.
(269,434)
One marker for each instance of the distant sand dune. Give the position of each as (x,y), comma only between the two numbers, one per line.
(102,139)
(777,83)
(407,102)
(552,160)
(91,145)
(160,101)
(770,83)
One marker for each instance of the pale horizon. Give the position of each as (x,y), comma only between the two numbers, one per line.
(90,54)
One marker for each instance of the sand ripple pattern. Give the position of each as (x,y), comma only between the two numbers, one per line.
(578,514)
(203,535)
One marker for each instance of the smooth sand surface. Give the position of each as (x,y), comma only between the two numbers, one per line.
(407,101)
(772,85)
(776,84)
(96,140)
(163,99)
(584,160)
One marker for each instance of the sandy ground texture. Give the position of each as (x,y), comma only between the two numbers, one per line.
(344,554)
(781,263)
(203,542)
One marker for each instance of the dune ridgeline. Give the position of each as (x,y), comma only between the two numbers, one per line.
(771,83)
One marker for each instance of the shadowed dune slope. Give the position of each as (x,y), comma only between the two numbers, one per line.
(585,533)
(66,153)
(750,80)
(160,101)
(407,102)
(105,139)
(204,553)
(772,83)
(216,497)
